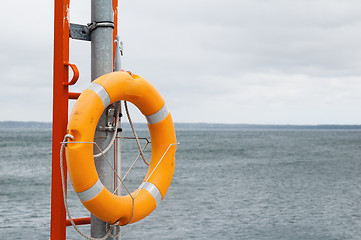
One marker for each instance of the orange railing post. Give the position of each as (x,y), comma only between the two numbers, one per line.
(61,96)
(115,31)
(60,114)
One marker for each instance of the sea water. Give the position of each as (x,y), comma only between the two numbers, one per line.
(228,184)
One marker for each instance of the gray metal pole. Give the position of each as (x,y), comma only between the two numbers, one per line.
(102,63)
(118,164)
(118,142)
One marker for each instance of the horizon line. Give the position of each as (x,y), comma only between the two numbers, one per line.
(204,124)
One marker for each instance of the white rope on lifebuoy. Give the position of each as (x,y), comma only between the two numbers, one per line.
(109,227)
(135,134)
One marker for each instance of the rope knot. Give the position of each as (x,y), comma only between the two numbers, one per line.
(66,138)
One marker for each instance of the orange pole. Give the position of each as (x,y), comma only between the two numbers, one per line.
(73,95)
(115,31)
(61,95)
(60,114)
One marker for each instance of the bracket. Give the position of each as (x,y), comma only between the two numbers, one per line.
(83,32)
(110,117)
(79,32)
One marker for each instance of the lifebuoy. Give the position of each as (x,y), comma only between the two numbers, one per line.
(87,110)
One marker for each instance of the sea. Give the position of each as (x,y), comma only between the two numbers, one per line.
(230,182)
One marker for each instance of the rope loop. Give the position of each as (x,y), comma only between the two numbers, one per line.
(108,226)
(66,138)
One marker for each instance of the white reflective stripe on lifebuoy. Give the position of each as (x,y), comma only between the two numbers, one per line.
(92,192)
(153,190)
(158,116)
(102,93)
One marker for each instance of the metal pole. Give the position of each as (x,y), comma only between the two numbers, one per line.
(118,162)
(118,142)
(102,63)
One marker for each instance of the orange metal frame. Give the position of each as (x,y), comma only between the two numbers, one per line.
(61,96)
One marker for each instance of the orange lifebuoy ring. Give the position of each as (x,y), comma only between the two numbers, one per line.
(83,120)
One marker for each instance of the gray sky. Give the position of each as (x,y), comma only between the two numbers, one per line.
(223,61)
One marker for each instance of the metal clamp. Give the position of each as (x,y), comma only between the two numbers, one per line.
(92,26)
(108,128)
(83,32)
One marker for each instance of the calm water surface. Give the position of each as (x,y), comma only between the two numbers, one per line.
(233,184)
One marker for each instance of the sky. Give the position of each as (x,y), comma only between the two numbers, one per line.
(215,61)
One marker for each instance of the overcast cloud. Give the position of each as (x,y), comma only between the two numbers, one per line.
(224,61)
